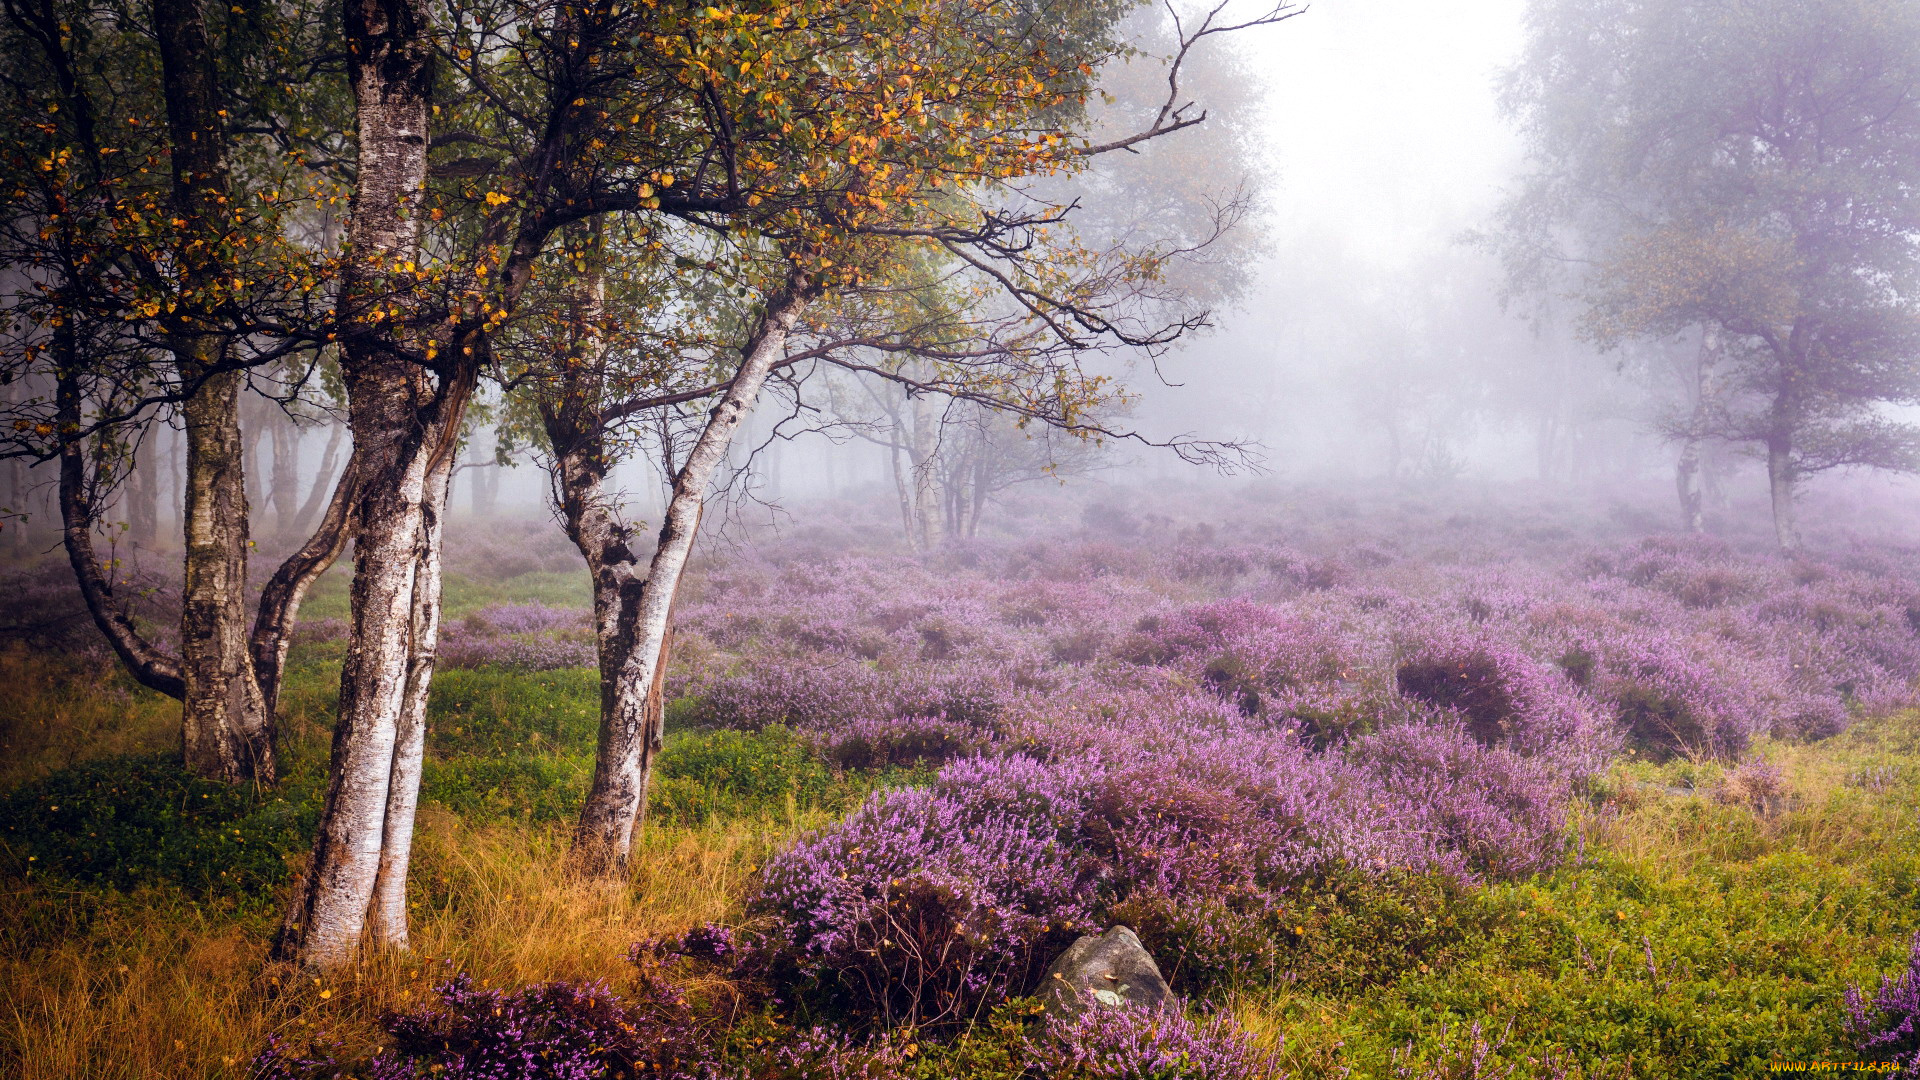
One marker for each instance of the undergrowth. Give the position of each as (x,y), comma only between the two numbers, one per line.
(1707,925)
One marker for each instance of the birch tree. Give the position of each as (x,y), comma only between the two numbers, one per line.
(889,219)
(147,279)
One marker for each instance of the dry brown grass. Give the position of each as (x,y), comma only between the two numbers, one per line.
(148,986)
(55,713)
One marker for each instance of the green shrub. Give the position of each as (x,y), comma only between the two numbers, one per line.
(528,787)
(723,773)
(131,821)
(496,712)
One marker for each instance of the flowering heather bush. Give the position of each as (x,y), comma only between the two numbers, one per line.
(1888,1025)
(1668,694)
(1505,697)
(532,637)
(926,905)
(1498,812)
(920,906)
(822,1054)
(900,741)
(278,1060)
(816,697)
(551,1031)
(1144,1044)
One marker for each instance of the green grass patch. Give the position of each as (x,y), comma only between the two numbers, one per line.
(1691,939)
(498,712)
(133,821)
(461,594)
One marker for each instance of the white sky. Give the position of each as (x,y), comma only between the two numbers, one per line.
(1382,129)
(1382,119)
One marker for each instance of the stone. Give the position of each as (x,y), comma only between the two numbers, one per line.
(1103,970)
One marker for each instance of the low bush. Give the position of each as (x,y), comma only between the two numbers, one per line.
(548,1031)
(530,786)
(1144,1044)
(1887,1025)
(921,907)
(900,742)
(130,821)
(705,774)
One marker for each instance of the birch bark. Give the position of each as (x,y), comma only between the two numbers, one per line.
(226,730)
(403,423)
(634,612)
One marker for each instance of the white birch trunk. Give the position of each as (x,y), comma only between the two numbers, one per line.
(629,724)
(410,738)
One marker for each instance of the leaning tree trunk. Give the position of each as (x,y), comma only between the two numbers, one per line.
(78,513)
(404,426)
(281,597)
(636,648)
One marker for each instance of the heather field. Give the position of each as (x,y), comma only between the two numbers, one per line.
(1387,789)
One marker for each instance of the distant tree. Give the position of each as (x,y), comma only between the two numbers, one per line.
(1747,166)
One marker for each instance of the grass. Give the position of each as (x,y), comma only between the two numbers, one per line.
(461,594)
(1692,937)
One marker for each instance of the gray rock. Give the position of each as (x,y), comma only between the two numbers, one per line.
(1109,969)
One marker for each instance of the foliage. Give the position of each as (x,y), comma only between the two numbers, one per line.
(732,774)
(1740,174)
(1140,1044)
(1380,893)
(548,1031)
(1888,1024)
(124,822)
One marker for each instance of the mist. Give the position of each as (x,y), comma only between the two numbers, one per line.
(997,539)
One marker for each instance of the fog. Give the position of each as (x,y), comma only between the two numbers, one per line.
(1381,145)
(1362,326)
(1005,538)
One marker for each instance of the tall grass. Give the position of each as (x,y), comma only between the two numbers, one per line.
(151,985)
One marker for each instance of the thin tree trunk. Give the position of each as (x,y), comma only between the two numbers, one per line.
(143,495)
(323,481)
(1686,482)
(484,481)
(410,739)
(630,730)
(281,597)
(926,510)
(1780,485)
(14,521)
(251,428)
(285,489)
(979,489)
(149,667)
(902,490)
